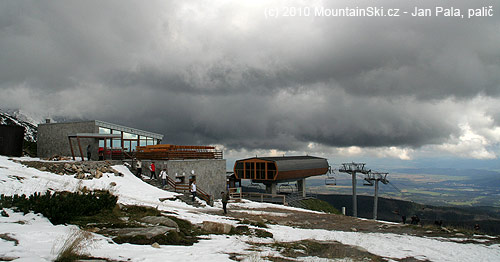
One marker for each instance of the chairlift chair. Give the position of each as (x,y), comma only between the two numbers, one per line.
(367,182)
(255,185)
(330,179)
(285,188)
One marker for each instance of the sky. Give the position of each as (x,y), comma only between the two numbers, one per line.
(246,77)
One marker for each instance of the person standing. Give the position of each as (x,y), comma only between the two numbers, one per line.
(164,175)
(225,199)
(138,166)
(193,189)
(152,169)
(89,152)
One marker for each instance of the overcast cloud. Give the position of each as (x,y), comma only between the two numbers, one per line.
(220,72)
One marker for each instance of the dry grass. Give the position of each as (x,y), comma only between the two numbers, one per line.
(74,246)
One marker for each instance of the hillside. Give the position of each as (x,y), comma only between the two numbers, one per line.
(392,209)
(15,117)
(279,233)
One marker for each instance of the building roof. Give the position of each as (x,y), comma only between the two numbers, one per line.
(104,124)
(131,130)
(289,163)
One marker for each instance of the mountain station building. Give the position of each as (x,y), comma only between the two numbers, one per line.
(106,140)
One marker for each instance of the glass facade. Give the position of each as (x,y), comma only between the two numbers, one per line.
(130,140)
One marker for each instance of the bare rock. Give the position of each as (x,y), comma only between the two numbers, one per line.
(160,221)
(98,174)
(112,184)
(148,232)
(353,229)
(216,228)
(43,168)
(155,245)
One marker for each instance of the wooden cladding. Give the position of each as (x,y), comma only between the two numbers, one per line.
(280,168)
(177,152)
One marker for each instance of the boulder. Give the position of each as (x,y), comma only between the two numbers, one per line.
(98,174)
(216,227)
(43,168)
(147,232)
(155,245)
(161,221)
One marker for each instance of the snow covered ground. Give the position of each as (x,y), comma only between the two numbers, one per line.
(38,240)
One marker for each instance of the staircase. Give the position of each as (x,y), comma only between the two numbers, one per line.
(295,200)
(186,197)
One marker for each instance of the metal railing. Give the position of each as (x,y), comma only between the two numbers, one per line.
(261,197)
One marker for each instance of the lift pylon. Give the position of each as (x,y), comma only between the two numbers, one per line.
(374,178)
(353,168)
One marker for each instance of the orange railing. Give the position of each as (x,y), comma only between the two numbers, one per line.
(177,152)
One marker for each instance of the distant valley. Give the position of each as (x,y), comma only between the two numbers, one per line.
(433,186)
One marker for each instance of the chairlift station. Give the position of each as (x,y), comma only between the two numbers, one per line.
(273,170)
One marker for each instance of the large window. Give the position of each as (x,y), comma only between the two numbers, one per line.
(238,169)
(103,130)
(260,170)
(248,170)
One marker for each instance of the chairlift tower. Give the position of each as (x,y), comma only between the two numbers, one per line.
(353,168)
(372,177)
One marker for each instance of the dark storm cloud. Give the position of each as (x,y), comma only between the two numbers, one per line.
(224,74)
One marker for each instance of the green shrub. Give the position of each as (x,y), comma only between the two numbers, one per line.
(61,207)
(319,205)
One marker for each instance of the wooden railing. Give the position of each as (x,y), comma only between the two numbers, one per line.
(235,193)
(185,188)
(203,195)
(177,152)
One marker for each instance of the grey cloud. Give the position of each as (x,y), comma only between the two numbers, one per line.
(232,77)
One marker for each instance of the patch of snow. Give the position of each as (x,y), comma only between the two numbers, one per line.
(37,236)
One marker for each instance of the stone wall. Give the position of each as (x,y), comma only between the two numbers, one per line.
(210,173)
(53,139)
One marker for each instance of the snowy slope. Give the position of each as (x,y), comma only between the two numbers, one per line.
(15,117)
(38,237)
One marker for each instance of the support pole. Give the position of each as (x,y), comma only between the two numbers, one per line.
(354,196)
(375,201)
(71,147)
(80,147)
(301,184)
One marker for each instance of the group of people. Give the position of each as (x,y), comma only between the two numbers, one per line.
(164,176)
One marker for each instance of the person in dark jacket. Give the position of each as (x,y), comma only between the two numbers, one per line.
(225,199)
(89,152)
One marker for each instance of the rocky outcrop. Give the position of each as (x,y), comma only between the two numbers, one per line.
(215,227)
(160,221)
(81,170)
(147,232)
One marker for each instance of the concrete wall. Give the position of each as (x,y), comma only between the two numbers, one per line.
(53,139)
(210,173)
